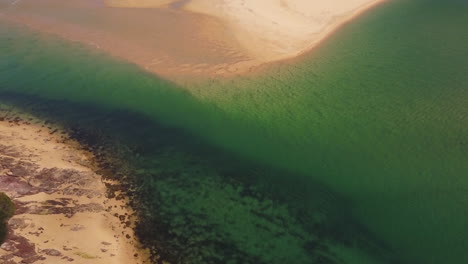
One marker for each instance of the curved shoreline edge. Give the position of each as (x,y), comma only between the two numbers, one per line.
(307,44)
(65,211)
(334,27)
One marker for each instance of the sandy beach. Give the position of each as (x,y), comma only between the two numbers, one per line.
(64,212)
(190,37)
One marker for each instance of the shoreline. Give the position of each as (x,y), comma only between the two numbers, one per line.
(333,28)
(263,68)
(55,186)
(197,46)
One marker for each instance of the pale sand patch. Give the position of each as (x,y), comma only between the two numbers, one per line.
(62,209)
(278,29)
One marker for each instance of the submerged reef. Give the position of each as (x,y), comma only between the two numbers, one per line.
(199,204)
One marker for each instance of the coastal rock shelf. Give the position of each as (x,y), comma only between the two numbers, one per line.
(62,213)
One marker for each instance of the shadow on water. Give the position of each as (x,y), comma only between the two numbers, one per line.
(197,203)
(200,204)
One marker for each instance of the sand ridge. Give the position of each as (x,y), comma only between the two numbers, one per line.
(64,211)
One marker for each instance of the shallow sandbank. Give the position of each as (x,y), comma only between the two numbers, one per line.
(187,38)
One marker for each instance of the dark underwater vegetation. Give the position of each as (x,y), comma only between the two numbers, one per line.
(7,208)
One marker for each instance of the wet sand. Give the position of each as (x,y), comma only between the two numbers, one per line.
(64,210)
(189,38)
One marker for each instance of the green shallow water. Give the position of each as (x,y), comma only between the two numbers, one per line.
(368,133)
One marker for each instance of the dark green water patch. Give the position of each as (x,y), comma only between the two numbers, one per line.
(7,208)
(199,204)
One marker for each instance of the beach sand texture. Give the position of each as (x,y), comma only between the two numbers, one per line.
(198,37)
(63,213)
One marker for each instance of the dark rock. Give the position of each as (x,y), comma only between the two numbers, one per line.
(52,252)
(32,259)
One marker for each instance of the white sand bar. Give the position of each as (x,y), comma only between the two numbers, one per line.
(270,29)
